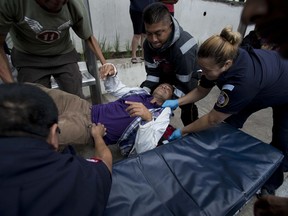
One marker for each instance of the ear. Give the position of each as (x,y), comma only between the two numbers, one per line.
(228,64)
(52,138)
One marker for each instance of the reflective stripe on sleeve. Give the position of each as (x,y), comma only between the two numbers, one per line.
(147,89)
(152,78)
(187,46)
(178,93)
(184,78)
(151,65)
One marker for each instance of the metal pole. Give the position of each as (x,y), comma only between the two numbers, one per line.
(91,62)
(242,27)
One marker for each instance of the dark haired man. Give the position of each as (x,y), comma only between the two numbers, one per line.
(135,117)
(170,56)
(34,178)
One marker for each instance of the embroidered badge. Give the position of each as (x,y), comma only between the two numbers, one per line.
(223,99)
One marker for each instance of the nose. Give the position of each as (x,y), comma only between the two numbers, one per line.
(164,87)
(253,9)
(154,38)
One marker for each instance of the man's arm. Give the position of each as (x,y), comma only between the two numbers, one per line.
(151,131)
(185,63)
(106,68)
(149,134)
(115,87)
(151,68)
(95,47)
(138,109)
(5,72)
(102,152)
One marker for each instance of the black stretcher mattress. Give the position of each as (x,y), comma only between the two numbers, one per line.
(213,172)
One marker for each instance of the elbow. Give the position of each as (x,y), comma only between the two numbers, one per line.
(212,121)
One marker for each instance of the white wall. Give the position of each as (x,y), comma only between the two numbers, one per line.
(111,17)
(218,15)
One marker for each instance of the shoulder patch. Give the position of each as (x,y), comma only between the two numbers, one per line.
(223,99)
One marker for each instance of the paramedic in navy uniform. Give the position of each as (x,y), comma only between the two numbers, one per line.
(249,80)
(170,56)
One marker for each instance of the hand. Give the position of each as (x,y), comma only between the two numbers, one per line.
(138,109)
(106,70)
(101,150)
(175,135)
(173,104)
(98,130)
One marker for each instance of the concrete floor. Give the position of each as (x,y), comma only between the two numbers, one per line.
(258,125)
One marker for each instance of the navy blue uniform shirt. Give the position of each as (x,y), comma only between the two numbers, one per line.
(35,180)
(257,79)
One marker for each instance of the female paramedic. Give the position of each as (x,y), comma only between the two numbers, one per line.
(249,80)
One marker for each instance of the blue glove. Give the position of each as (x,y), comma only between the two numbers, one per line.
(173,104)
(175,135)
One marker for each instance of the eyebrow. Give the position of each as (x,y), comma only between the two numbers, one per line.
(169,86)
(156,32)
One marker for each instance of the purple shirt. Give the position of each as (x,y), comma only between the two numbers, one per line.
(115,117)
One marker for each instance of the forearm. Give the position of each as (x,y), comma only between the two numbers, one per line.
(5,72)
(193,96)
(152,78)
(103,152)
(149,134)
(95,47)
(206,121)
(115,87)
(202,123)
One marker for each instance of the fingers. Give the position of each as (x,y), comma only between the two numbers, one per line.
(107,69)
(132,103)
(98,130)
(135,108)
(138,109)
(102,73)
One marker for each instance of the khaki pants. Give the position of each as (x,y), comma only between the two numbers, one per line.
(74,117)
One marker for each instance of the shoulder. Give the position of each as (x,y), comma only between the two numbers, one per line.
(186,42)
(93,166)
(76,8)
(13,8)
(243,58)
(75,3)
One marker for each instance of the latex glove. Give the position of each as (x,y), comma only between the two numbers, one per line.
(173,104)
(175,135)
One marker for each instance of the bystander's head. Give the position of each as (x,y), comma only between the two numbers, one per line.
(271,18)
(25,110)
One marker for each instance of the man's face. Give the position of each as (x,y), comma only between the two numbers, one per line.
(271,19)
(53,6)
(158,33)
(163,91)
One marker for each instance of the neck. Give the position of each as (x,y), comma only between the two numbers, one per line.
(156,101)
(47,9)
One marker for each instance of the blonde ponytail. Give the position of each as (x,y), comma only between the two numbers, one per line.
(221,47)
(234,38)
